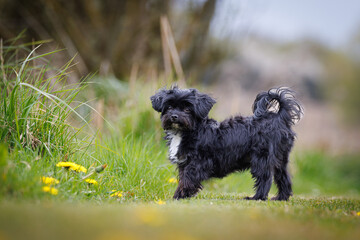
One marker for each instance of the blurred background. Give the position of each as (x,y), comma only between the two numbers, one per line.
(230,48)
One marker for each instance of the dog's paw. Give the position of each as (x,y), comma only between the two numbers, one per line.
(185,193)
(279,198)
(178,195)
(181,194)
(255,198)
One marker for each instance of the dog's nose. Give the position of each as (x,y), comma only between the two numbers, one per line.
(174,117)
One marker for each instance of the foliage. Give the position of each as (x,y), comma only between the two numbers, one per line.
(116,35)
(340,80)
(343,84)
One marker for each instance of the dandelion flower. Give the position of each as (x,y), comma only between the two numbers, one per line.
(160,202)
(49,180)
(91,181)
(50,190)
(72,166)
(116,193)
(358,213)
(173,180)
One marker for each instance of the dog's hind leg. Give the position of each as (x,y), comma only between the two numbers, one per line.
(283,181)
(261,171)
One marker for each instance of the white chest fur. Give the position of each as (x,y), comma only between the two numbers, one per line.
(174,143)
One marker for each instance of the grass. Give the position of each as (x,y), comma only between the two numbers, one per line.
(38,115)
(34,108)
(217,218)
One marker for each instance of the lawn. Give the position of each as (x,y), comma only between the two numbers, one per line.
(67,173)
(209,217)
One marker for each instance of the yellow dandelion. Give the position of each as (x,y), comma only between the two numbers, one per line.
(173,180)
(72,166)
(116,193)
(49,180)
(160,202)
(91,181)
(358,213)
(50,190)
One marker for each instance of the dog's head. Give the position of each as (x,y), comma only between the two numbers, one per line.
(181,109)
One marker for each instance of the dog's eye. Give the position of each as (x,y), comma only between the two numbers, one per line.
(187,110)
(169,108)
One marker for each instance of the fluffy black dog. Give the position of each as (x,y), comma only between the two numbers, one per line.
(203,148)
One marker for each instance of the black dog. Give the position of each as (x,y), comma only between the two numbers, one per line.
(203,148)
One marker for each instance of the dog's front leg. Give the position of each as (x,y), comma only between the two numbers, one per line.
(189,183)
(186,190)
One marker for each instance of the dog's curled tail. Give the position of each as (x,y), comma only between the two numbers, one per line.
(289,109)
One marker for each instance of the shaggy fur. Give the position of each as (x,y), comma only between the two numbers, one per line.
(203,148)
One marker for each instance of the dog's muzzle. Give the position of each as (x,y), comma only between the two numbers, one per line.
(174,118)
(176,121)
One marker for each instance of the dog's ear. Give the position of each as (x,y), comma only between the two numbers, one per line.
(157,100)
(203,105)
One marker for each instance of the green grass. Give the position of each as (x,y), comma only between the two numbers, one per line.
(216,218)
(43,123)
(35,108)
